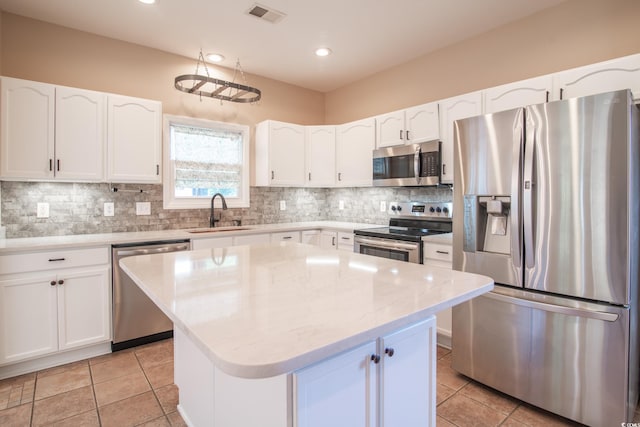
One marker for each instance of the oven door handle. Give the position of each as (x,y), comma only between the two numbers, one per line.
(387,245)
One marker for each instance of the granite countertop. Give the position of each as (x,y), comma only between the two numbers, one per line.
(263,310)
(87,240)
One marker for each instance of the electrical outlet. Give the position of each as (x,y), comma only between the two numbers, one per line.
(143,208)
(108,209)
(341,204)
(383,206)
(42,210)
(283,205)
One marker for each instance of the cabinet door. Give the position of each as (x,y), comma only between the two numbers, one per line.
(251,238)
(213,242)
(340,391)
(518,94)
(26,129)
(422,123)
(452,109)
(134,140)
(390,129)
(321,156)
(329,239)
(80,134)
(286,154)
(408,376)
(617,74)
(355,142)
(84,307)
(28,318)
(311,237)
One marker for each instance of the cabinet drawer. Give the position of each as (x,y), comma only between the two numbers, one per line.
(438,252)
(286,236)
(345,241)
(49,260)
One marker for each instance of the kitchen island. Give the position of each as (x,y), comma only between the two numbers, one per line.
(289,334)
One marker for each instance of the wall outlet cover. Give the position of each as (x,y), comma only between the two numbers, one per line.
(42,210)
(143,208)
(283,205)
(341,204)
(108,209)
(383,206)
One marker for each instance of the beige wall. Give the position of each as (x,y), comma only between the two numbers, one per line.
(40,51)
(575,33)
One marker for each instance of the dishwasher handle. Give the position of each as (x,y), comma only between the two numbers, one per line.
(153,250)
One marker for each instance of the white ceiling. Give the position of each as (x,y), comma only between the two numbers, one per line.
(366,36)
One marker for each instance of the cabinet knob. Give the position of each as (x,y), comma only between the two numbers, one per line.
(60,282)
(53,283)
(389,352)
(375,358)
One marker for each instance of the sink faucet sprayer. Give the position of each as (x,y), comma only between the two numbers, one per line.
(212,219)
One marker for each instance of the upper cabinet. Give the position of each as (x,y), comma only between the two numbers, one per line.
(280,150)
(413,125)
(355,142)
(320,153)
(518,94)
(134,140)
(27,129)
(53,132)
(617,74)
(452,109)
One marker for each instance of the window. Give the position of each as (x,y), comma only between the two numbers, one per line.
(202,158)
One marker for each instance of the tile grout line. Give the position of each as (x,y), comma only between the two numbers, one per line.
(153,390)
(93,391)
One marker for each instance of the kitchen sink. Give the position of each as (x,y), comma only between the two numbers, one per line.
(215,230)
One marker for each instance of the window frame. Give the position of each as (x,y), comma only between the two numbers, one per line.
(169,201)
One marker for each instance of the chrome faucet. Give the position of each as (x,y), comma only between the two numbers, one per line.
(212,218)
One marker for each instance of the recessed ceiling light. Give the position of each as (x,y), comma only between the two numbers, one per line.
(215,57)
(147,1)
(323,51)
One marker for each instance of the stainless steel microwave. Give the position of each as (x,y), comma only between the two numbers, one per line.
(407,165)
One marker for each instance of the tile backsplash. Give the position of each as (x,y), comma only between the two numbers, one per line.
(77,208)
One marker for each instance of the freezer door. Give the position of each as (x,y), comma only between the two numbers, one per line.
(487,228)
(580,175)
(570,358)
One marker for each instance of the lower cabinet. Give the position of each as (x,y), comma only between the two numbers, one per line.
(286,236)
(345,241)
(329,239)
(211,242)
(388,382)
(440,255)
(53,311)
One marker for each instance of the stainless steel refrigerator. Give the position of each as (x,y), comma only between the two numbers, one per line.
(547,202)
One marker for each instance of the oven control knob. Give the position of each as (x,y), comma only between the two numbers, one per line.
(399,208)
(438,209)
(432,209)
(445,210)
(393,208)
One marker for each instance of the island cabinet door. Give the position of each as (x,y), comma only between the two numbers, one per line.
(407,376)
(341,391)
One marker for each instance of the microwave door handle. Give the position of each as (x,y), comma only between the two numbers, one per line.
(416,164)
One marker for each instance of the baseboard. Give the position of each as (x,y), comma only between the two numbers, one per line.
(444,339)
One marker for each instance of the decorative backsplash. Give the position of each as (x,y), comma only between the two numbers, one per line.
(76,208)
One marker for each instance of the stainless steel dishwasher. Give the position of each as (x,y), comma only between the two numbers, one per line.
(136,319)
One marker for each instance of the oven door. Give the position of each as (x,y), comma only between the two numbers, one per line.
(388,248)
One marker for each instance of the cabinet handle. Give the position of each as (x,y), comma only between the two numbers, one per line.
(444,169)
(333,241)
(157,169)
(400,134)
(60,282)
(287,238)
(561,91)
(58,165)
(50,165)
(345,238)
(309,176)
(548,96)
(375,358)
(56,259)
(442,252)
(272,175)
(389,352)
(407,133)
(53,283)
(339,176)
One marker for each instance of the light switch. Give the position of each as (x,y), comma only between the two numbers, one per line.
(108,209)
(283,205)
(143,208)
(341,204)
(383,206)
(42,210)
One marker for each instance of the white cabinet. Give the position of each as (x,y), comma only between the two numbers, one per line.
(286,236)
(248,239)
(212,242)
(616,74)
(280,154)
(52,301)
(27,118)
(440,255)
(134,140)
(329,239)
(412,125)
(518,94)
(390,382)
(355,142)
(320,153)
(311,237)
(345,241)
(452,109)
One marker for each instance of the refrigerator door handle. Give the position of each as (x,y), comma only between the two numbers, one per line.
(527,193)
(516,218)
(561,309)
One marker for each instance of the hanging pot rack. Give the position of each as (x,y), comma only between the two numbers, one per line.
(207,86)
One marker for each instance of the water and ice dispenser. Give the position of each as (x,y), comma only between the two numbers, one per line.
(486,224)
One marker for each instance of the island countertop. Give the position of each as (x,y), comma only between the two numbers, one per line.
(263,310)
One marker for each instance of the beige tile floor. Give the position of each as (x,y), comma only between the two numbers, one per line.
(135,388)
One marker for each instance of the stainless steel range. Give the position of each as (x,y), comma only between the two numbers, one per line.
(409,222)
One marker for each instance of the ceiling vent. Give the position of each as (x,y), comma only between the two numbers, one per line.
(265,13)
